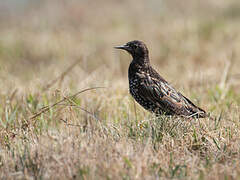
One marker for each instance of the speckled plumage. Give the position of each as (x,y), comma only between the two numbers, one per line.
(153,92)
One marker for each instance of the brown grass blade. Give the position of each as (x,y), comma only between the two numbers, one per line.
(62,100)
(61,76)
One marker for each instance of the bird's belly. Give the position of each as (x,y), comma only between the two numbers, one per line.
(146,104)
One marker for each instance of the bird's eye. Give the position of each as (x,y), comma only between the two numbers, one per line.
(134,46)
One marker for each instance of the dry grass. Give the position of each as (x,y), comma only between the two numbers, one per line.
(50,51)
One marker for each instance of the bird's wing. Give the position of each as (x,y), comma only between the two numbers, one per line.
(164,96)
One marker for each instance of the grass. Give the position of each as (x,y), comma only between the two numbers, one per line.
(52,127)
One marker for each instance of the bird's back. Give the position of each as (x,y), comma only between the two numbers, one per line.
(154,93)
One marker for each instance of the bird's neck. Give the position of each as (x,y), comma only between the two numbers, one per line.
(141,60)
(138,65)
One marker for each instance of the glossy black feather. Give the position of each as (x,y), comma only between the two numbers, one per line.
(152,91)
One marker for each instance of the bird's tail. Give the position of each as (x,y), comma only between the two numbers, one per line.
(196,111)
(199,113)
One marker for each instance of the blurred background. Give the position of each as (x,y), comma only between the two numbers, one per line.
(55,48)
(192,43)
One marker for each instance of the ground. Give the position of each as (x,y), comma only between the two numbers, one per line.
(51,50)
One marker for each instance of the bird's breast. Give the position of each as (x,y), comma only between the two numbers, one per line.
(134,83)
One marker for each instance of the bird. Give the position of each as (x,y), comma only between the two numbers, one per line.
(151,90)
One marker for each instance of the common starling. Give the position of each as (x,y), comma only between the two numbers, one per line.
(153,92)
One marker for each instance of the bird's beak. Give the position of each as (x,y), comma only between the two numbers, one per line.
(125,47)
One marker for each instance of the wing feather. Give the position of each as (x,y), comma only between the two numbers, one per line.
(164,96)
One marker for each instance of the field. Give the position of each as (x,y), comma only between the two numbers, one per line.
(56,124)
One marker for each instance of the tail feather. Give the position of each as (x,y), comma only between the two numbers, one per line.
(196,111)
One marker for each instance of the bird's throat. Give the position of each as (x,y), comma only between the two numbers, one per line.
(140,61)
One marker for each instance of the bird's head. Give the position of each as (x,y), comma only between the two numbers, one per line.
(135,48)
